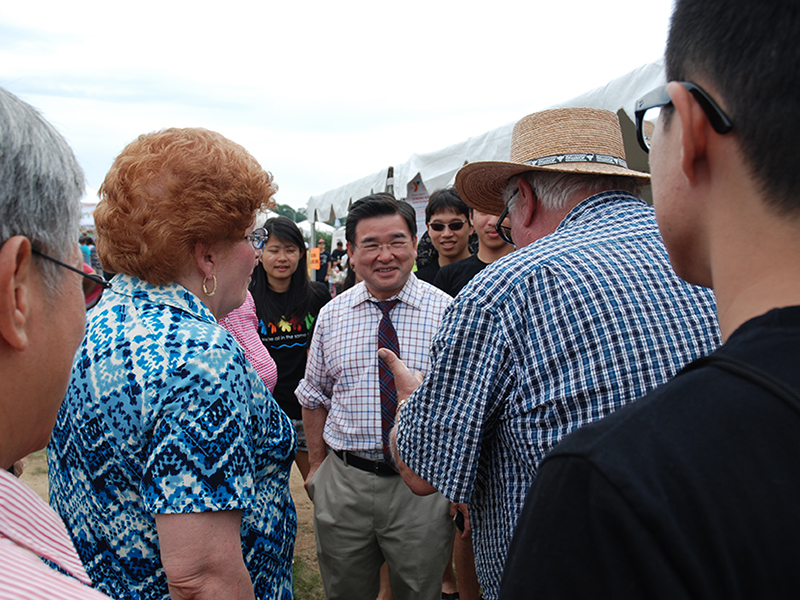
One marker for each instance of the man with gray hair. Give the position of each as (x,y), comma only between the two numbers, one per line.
(584,317)
(691,492)
(41,325)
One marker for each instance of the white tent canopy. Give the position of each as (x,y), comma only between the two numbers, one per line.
(305,227)
(438,169)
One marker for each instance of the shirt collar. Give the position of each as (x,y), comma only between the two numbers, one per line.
(411,294)
(171,294)
(584,210)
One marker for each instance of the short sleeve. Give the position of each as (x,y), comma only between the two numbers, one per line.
(201,455)
(316,388)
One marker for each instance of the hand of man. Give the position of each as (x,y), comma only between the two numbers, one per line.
(404,380)
(311,471)
(462,508)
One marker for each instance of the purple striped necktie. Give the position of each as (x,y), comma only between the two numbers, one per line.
(387,338)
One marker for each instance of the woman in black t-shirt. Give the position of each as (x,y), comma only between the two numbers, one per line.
(287,304)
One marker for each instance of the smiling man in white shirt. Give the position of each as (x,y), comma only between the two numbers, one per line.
(363,512)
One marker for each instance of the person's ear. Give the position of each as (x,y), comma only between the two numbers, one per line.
(205,258)
(528,202)
(694,129)
(16,278)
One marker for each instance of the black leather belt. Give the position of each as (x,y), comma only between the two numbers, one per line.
(378,467)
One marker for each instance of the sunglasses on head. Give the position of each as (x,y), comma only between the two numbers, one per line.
(454,226)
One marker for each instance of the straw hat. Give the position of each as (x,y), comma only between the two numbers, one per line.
(565,140)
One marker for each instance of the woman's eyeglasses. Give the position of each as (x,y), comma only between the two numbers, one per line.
(454,226)
(90,276)
(258,238)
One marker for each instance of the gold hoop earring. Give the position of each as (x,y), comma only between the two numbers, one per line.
(205,289)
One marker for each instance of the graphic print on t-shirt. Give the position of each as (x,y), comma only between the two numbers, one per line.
(286,333)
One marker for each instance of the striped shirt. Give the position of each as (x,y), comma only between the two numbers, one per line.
(553,336)
(342,369)
(29,532)
(242,324)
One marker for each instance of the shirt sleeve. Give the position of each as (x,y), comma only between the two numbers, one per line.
(316,388)
(242,324)
(443,425)
(578,537)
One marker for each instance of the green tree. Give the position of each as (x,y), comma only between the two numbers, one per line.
(290,213)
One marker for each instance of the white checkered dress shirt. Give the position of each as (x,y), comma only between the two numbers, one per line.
(342,370)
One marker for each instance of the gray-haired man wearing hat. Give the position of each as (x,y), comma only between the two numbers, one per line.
(692,491)
(584,317)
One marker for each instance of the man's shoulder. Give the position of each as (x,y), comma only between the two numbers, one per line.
(428,272)
(343,301)
(492,283)
(426,294)
(28,526)
(607,232)
(453,277)
(460,266)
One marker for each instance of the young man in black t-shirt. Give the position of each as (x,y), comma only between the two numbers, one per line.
(692,491)
(449,228)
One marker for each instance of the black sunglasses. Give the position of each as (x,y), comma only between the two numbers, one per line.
(90,276)
(454,226)
(659,97)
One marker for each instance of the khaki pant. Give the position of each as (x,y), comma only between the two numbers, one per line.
(361,519)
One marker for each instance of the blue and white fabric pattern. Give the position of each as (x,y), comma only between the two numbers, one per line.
(165,415)
(551,337)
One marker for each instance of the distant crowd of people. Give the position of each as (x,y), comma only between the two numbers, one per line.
(554,391)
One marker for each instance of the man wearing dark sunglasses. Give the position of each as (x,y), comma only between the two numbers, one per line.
(692,491)
(449,228)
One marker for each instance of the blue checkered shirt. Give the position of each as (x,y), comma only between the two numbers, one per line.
(342,369)
(549,338)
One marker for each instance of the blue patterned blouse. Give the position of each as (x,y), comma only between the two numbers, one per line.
(165,415)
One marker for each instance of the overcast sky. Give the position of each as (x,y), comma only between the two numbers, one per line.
(321,93)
